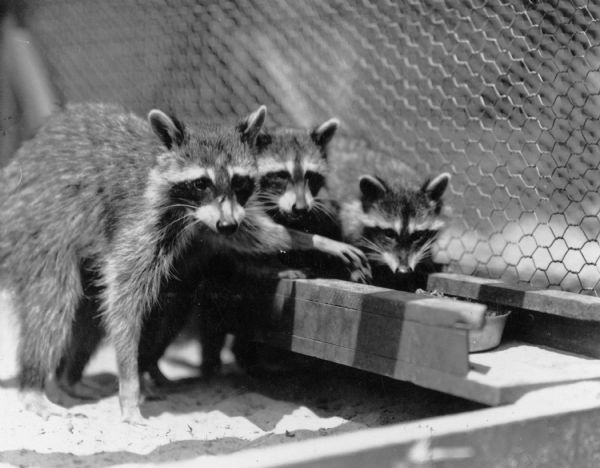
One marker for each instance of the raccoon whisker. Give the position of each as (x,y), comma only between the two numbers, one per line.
(182,205)
(267,200)
(369,248)
(255,208)
(316,208)
(188,227)
(268,205)
(423,252)
(265,207)
(368,244)
(260,200)
(321,202)
(181,218)
(320,207)
(427,245)
(375,258)
(268,195)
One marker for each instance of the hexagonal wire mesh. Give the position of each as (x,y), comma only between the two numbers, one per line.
(504,94)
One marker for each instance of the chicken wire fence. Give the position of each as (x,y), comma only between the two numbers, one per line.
(503,94)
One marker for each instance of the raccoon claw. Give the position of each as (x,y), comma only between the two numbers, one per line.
(356,257)
(352,255)
(292,274)
(360,276)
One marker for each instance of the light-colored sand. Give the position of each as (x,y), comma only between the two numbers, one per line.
(232,413)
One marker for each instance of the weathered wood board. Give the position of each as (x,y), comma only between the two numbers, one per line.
(413,338)
(381,324)
(435,311)
(549,301)
(515,368)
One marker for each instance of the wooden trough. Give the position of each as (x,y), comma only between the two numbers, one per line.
(424,340)
(546,373)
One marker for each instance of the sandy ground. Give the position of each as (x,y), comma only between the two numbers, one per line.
(232,413)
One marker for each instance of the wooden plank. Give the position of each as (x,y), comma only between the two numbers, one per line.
(442,312)
(295,311)
(575,336)
(461,386)
(341,323)
(440,348)
(497,377)
(516,368)
(564,304)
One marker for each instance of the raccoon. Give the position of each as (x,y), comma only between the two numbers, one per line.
(254,234)
(95,200)
(292,167)
(396,225)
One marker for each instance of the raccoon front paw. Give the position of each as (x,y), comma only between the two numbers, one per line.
(350,255)
(133,416)
(36,402)
(292,274)
(361,276)
(356,260)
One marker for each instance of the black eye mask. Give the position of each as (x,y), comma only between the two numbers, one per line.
(191,192)
(243,187)
(315,181)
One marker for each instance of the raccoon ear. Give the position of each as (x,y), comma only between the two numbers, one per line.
(436,187)
(323,133)
(372,188)
(251,125)
(170,130)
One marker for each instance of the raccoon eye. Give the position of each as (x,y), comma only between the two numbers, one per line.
(390,233)
(201,184)
(315,181)
(281,175)
(242,187)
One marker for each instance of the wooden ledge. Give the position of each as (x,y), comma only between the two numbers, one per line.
(489,291)
(411,337)
(401,335)
(434,311)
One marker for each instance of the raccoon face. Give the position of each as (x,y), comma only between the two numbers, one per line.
(216,200)
(400,225)
(208,176)
(292,166)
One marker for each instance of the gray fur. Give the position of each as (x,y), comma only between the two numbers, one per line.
(83,192)
(395,224)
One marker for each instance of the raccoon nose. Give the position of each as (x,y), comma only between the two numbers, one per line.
(227,227)
(299,210)
(402,269)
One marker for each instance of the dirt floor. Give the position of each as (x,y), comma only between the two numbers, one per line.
(232,413)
